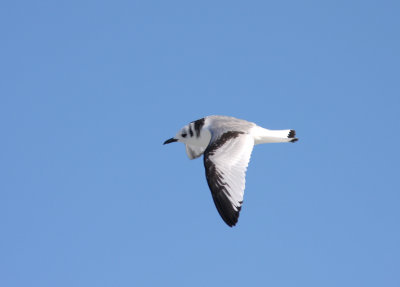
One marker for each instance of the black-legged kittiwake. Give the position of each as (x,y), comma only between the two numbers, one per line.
(226,143)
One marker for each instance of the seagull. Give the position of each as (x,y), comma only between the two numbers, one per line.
(227,143)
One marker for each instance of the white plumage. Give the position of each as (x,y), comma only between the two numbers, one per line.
(226,143)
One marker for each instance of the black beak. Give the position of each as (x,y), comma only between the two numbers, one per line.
(171,140)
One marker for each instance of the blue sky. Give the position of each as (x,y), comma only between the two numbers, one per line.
(89,91)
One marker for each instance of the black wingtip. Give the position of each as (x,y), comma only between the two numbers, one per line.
(225,209)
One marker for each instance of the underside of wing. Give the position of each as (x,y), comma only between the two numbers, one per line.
(226,160)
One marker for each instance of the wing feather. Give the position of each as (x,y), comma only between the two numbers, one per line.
(226,160)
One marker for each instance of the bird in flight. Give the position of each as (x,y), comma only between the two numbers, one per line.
(227,143)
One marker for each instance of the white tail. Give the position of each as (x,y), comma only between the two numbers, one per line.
(262,135)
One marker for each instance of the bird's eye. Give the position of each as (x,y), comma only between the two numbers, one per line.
(184,135)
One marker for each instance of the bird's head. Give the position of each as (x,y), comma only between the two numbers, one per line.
(192,134)
(183,135)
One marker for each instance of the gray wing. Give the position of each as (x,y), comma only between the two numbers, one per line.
(226,160)
(222,124)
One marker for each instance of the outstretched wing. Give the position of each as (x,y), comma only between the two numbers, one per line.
(226,160)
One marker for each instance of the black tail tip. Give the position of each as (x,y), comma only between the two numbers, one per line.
(292,135)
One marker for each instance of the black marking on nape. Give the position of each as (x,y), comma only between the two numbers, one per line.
(217,184)
(198,125)
(190,130)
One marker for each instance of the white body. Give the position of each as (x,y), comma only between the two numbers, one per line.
(227,143)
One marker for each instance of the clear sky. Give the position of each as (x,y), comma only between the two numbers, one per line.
(89,91)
